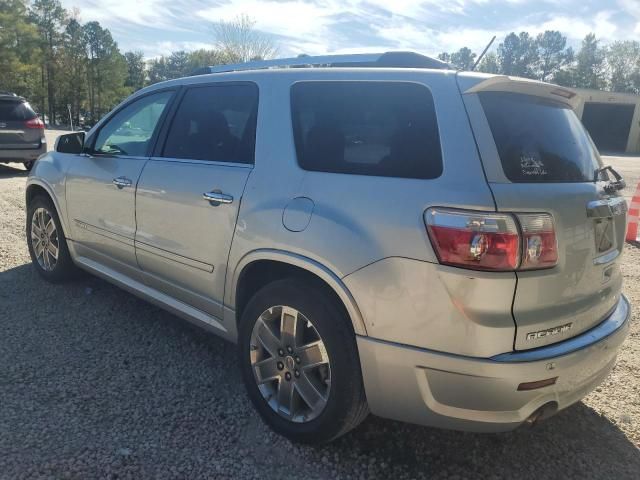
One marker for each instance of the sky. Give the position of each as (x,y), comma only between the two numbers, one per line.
(314,27)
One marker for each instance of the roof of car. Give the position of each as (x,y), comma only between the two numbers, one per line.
(10,96)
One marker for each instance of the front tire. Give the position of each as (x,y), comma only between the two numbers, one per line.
(47,245)
(300,363)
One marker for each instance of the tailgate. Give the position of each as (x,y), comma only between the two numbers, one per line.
(538,158)
(14,136)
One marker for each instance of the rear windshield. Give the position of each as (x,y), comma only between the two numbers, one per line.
(12,111)
(384,129)
(539,141)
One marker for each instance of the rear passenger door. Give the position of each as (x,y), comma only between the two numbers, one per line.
(189,193)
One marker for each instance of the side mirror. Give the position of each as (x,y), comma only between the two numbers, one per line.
(70,143)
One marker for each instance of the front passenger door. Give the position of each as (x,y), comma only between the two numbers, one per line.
(101,183)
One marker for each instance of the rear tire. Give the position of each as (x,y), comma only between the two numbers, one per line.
(29,165)
(330,376)
(47,245)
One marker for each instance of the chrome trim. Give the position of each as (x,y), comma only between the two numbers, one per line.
(121,182)
(217,197)
(607,327)
(606,208)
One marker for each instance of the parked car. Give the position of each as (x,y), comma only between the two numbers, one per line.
(379,235)
(22,137)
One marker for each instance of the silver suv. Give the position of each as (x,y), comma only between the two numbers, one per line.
(22,137)
(377,233)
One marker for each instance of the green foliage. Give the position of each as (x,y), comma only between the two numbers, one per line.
(589,69)
(623,66)
(489,64)
(136,72)
(463,59)
(19,50)
(547,57)
(518,55)
(553,56)
(180,64)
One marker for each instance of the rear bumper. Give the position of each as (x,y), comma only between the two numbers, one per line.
(466,393)
(22,155)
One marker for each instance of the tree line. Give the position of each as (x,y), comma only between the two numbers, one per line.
(67,68)
(546,57)
(62,65)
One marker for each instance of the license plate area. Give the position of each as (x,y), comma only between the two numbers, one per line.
(604,234)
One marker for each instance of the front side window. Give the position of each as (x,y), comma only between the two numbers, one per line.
(129,131)
(385,129)
(538,140)
(215,123)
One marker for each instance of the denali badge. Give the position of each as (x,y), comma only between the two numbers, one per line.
(549,331)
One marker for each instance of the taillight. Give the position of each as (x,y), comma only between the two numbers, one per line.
(540,249)
(492,241)
(34,123)
(481,241)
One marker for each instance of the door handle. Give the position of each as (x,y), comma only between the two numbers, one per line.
(217,197)
(122,182)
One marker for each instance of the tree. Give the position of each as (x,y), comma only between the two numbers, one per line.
(553,56)
(589,70)
(49,16)
(489,64)
(106,71)
(180,64)
(73,68)
(19,51)
(463,59)
(623,66)
(517,55)
(240,42)
(136,74)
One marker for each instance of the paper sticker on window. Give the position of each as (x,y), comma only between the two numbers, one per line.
(531,164)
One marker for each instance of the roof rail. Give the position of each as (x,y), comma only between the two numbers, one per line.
(388,59)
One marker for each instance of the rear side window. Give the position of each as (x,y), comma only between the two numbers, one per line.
(539,141)
(216,123)
(366,128)
(12,111)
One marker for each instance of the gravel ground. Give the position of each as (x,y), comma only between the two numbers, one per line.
(95,383)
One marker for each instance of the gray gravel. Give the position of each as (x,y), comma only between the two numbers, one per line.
(95,383)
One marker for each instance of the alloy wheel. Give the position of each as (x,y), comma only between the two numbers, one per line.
(290,364)
(44,239)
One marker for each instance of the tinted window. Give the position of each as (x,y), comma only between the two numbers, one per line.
(130,130)
(12,111)
(539,140)
(366,128)
(216,123)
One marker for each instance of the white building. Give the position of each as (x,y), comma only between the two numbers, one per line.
(612,119)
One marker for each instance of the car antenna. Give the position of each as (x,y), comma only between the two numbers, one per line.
(483,53)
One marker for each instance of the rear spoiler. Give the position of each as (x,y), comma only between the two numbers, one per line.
(473,83)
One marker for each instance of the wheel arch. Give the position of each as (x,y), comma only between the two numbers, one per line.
(260,267)
(36,188)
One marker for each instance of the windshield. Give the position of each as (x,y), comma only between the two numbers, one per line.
(539,141)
